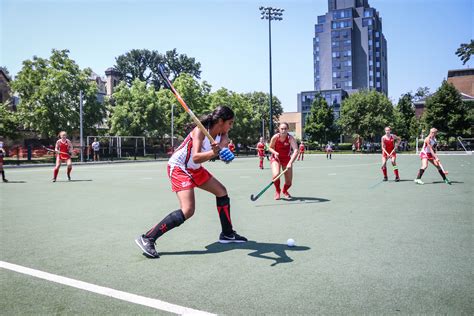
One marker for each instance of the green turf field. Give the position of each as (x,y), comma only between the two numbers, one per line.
(362,246)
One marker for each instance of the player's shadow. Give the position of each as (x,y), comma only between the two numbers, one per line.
(439,182)
(258,250)
(306,199)
(85,180)
(297,200)
(10,181)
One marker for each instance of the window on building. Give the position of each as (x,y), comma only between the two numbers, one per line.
(317,58)
(321,19)
(345,33)
(377,64)
(316,39)
(348,84)
(378,74)
(319,28)
(335,74)
(336,54)
(378,84)
(370,42)
(367,13)
(366,21)
(377,34)
(377,44)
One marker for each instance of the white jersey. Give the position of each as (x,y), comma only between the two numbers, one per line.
(183,156)
(96,146)
(433,144)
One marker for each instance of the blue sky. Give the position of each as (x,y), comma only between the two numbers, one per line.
(231,41)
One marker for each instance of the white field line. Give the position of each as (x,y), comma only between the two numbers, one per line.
(124,296)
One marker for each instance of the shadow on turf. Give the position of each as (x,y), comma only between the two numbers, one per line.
(73,180)
(259,250)
(10,181)
(298,200)
(439,182)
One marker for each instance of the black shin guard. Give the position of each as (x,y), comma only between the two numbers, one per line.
(174,219)
(442,173)
(420,173)
(223,208)
(3,174)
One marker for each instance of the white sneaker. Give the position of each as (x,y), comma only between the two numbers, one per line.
(418,181)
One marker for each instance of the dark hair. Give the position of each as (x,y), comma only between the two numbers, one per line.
(287,125)
(221,112)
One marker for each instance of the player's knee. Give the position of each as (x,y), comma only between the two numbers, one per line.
(188,211)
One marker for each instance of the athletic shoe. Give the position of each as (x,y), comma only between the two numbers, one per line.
(148,246)
(277,195)
(397,179)
(234,237)
(287,195)
(385,179)
(53,180)
(5,180)
(447,181)
(418,181)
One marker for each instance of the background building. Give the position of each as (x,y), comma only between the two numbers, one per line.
(349,48)
(350,53)
(294,121)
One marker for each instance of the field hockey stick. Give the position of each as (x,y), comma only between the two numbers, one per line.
(55,151)
(161,71)
(254,198)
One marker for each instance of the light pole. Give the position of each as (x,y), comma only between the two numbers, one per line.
(269,13)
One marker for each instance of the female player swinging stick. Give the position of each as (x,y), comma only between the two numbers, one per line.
(281,146)
(389,143)
(186,172)
(428,153)
(63,150)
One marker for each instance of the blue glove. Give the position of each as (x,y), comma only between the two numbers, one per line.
(226,155)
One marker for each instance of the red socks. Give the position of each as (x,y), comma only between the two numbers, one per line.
(277,185)
(384,170)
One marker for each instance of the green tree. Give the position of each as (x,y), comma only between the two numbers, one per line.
(9,123)
(465,51)
(405,120)
(137,111)
(421,93)
(49,95)
(246,124)
(143,64)
(195,95)
(260,103)
(446,111)
(366,113)
(320,125)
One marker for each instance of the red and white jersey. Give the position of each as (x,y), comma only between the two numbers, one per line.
(283,147)
(261,149)
(183,155)
(231,147)
(389,142)
(301,148)
(433,143)
(64,148)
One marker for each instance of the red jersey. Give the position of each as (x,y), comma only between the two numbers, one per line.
(261,149)
(301,148)
(283,148)
(389,143)
(65,148)
(231,147)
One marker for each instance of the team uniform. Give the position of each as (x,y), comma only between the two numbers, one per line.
(283,148)
(65,153)
(261,153)
(426,151)
(429,156)
(183,172)
(301,152)
(328,152)
(231,147)
(2,153)
(389,145)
